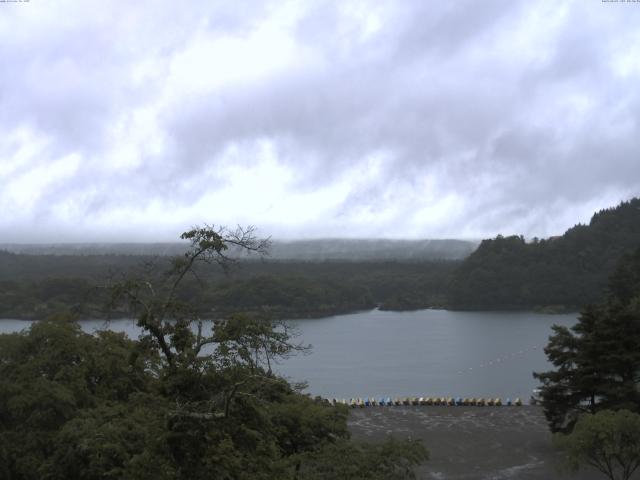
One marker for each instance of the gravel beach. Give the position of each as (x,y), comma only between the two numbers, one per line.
(483,443)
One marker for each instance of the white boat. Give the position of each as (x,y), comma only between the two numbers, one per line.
(536,397)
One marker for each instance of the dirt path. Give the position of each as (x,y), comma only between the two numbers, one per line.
(479,443)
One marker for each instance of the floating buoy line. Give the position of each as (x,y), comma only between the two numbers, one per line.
(406,401)
(500,360)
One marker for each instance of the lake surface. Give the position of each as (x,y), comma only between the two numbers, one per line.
(420,353)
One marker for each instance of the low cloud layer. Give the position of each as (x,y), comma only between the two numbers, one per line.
(315,119)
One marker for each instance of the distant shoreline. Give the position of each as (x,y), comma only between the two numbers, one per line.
(337,312)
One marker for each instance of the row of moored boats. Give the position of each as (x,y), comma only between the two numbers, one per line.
(444,401)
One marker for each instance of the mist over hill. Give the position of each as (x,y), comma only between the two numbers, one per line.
(372,249)
(297,250)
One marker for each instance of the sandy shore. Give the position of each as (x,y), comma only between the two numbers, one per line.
(479,443)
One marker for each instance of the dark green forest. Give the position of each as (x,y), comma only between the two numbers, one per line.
(556,274)
(35,286)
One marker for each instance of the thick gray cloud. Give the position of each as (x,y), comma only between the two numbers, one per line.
(351,118)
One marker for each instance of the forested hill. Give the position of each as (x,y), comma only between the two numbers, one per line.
(558,273)
(305,278)
(36,286)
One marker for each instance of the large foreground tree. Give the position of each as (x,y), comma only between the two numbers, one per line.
(607,441)
(597,361)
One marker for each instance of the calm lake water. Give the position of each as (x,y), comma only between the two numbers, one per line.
(420,353)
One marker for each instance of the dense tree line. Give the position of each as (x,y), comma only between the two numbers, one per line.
(37,286)
(564,272)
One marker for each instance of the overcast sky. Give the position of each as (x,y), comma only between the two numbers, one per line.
(136,120)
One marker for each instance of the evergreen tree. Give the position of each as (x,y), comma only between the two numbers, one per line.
(597,361)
